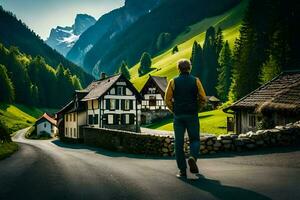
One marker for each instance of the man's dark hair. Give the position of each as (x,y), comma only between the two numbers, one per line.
(184,66)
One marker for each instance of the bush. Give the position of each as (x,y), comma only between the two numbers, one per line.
(4,133)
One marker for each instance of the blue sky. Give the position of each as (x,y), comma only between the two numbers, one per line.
(42,15)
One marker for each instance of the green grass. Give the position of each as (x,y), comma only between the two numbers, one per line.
(6,149)
(165,63)
(212,122)
(17,116)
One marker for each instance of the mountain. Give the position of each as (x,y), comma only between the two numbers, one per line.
(108,26)
(62,39)
(167,20)
(14,32)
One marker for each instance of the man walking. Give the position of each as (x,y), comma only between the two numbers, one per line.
(184,97)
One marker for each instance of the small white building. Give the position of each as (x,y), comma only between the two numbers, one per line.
(153,104)
(46,125)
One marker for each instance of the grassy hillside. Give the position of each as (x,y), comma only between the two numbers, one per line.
(165,63)
(18,116)
(212,122)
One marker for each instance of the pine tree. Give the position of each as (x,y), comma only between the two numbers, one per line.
(197,60)
(269,70)
(76,83)
(224,72)
(145,64)
(124,70)
(219,41)
(6,86)
(209,72)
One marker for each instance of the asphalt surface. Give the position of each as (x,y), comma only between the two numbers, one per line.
(53,170)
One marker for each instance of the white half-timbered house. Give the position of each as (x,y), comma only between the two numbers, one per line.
(153,104)
(111,102)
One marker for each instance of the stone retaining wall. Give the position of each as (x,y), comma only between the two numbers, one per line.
(130,142)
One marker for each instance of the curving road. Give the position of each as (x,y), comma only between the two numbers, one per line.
(52,170)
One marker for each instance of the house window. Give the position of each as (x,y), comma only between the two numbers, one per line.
(66,132)
(74,132)
(110,119)
(252,121)
(45,125)
(71,132)
(126,104)
(96,119)
(119,90)
(90,119)
(152,101)
(112,104)
(152,90)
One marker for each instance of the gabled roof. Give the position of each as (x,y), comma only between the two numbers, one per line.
(160,82)
(283,89)
(98,88)
(48,118)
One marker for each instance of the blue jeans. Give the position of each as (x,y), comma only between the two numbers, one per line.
(191,124)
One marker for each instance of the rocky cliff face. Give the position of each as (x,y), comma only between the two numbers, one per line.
(108,26)
(62,39)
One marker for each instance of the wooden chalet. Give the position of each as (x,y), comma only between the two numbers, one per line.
(274,103)
(153,105)
(111,102)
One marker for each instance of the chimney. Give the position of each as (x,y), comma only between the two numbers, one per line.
(102,76)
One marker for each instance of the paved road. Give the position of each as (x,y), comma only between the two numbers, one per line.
(52,170)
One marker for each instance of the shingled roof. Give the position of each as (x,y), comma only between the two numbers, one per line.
(97,88)
(283,93)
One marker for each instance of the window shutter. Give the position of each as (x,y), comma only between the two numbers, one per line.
(123,119)
(117,104)
(122,104)
(116,119)
(131,119)
(107,104)
(130,104)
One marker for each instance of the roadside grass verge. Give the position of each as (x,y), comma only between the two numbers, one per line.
(17,117)
(7,148)
(212,122)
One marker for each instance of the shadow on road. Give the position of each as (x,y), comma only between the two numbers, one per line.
(107,152)
(215,188)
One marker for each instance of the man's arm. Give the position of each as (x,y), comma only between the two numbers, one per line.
(201,94)
(169,95)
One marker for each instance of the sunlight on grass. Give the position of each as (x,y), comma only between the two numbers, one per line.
(18,116)
(213,122)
